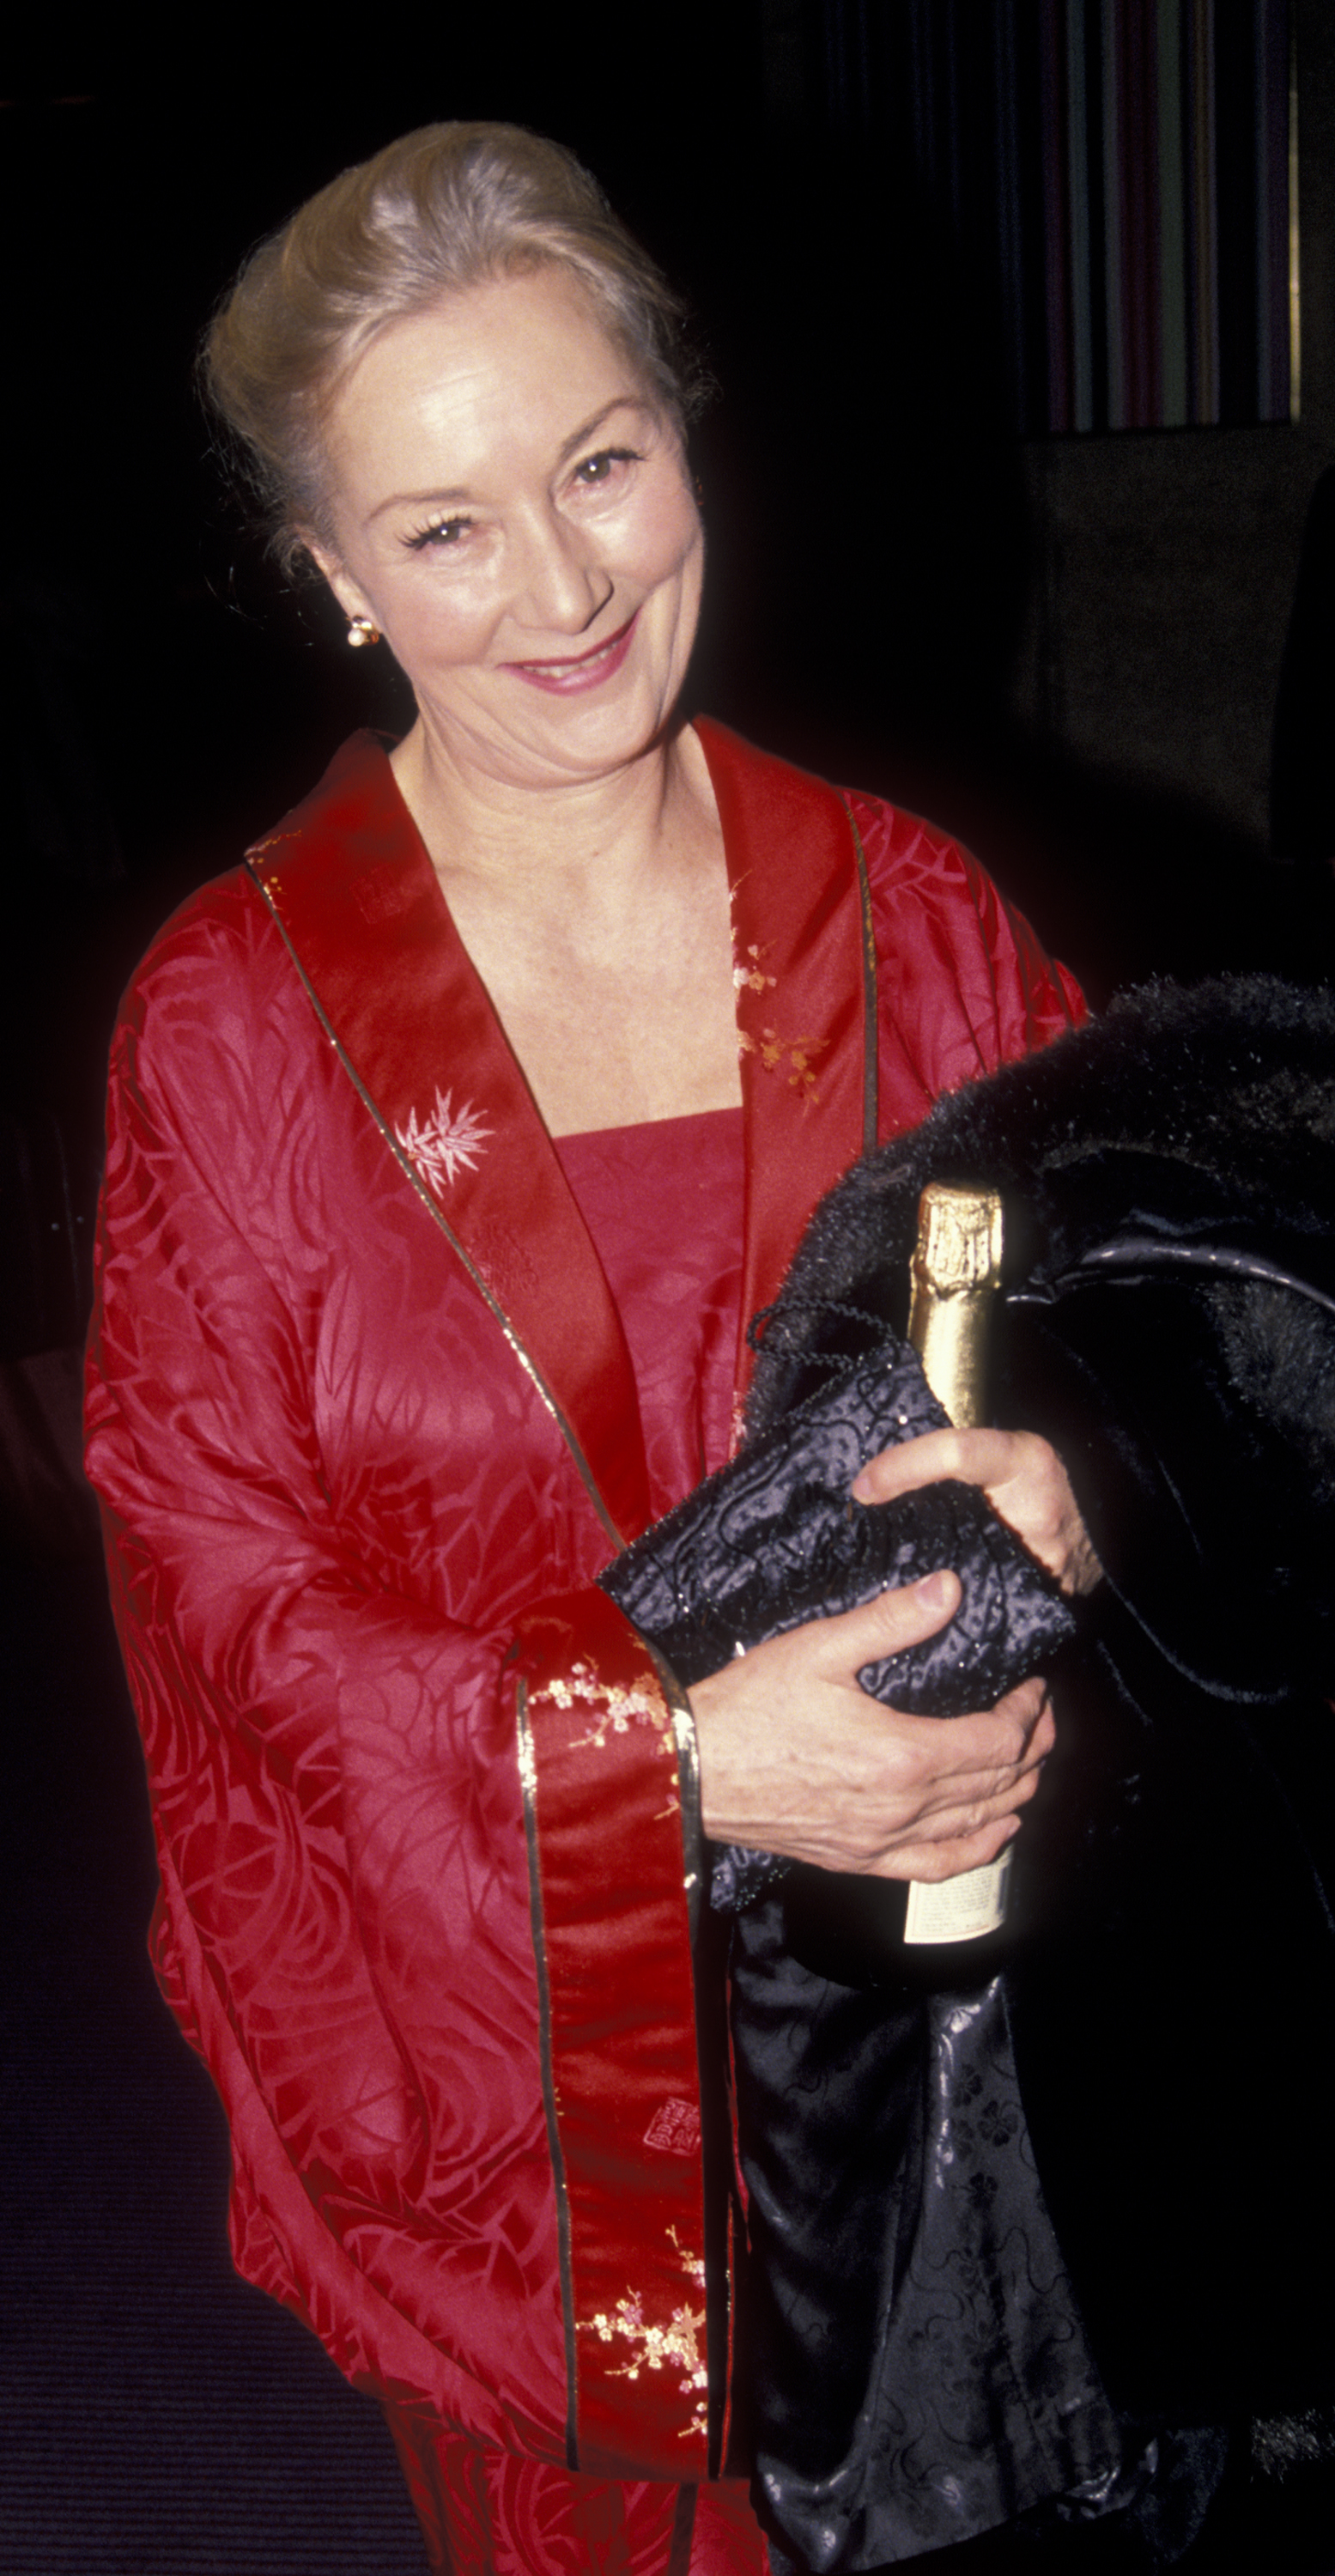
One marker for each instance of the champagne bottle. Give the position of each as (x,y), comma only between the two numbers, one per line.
(956,1273)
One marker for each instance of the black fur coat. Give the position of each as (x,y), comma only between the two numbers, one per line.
(1169,1323)
(942,2338)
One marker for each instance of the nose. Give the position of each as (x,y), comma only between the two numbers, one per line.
(559,587)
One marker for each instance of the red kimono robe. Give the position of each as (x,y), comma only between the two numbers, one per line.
(365,1427)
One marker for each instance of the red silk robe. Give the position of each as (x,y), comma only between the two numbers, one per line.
(365,1428)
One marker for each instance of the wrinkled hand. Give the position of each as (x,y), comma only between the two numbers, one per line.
(795,1757)
(1024,1481)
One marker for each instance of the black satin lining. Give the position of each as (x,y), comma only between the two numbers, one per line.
(918,2368)
(775,1539)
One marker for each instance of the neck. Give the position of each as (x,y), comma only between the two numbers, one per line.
(555,842)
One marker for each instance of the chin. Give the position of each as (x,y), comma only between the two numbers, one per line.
(578,738)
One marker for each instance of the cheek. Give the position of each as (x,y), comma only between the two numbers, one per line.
(442,629)
(669,539)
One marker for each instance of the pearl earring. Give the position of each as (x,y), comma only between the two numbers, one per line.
(361,631)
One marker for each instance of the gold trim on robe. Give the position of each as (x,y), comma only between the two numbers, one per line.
(600,1732)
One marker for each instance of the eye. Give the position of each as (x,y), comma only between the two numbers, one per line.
(442,533)
(595,472)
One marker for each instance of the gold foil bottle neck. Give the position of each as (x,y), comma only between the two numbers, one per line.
(959,1239)
(956,1268)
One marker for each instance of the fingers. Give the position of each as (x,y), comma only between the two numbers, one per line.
(888,1625)
(795,1757)
(974,1769)
(986,1751)
(926,1797)
(1023,1478)
(986,1458)
(934,1861)
(1029,1707)
(919,1829)
(966,1802)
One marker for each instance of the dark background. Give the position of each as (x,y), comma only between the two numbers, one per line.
(1070,652)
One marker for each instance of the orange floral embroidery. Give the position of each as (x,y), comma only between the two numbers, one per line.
(773,1050)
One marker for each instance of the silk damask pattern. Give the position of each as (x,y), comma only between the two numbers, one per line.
(332,1493)
(489,2511)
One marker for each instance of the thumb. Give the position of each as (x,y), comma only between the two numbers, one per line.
(889,1624)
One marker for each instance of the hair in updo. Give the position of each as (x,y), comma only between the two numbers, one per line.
(444,209)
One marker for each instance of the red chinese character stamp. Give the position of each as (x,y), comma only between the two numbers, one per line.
(675,2127)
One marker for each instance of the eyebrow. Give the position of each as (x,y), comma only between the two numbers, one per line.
(589,429)
(460,493)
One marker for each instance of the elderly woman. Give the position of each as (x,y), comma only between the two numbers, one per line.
(454,1139)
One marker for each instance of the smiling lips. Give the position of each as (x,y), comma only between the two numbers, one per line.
(579,670)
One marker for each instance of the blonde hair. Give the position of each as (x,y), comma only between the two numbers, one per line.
(446,208)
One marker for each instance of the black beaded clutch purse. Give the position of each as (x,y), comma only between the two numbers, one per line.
(775,1538)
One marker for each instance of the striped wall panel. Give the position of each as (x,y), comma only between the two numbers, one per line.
(1124,169)
(1162,199)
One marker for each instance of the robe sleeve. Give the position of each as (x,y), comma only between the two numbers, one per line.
(422,1903)
(963,983)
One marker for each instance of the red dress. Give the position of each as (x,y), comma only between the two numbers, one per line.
(365,1423)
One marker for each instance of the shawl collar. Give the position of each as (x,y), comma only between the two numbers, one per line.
(353,892)
(805,974)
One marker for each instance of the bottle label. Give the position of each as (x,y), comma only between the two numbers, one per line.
(957,1909)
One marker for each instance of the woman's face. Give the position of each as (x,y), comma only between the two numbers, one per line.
(512,511)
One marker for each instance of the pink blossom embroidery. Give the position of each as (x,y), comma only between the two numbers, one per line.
(449,1140)
(673,2345)
(641,1704)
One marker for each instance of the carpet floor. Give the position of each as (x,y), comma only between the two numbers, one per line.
(157,2416)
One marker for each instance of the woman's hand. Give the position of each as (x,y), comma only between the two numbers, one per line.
(795,1757)
(1024,1481)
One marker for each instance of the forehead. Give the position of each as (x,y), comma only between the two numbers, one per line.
(476,386)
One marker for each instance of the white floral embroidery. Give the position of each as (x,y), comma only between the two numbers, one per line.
(449,1140)
(673,2346)
(747,971)
(639,1705)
